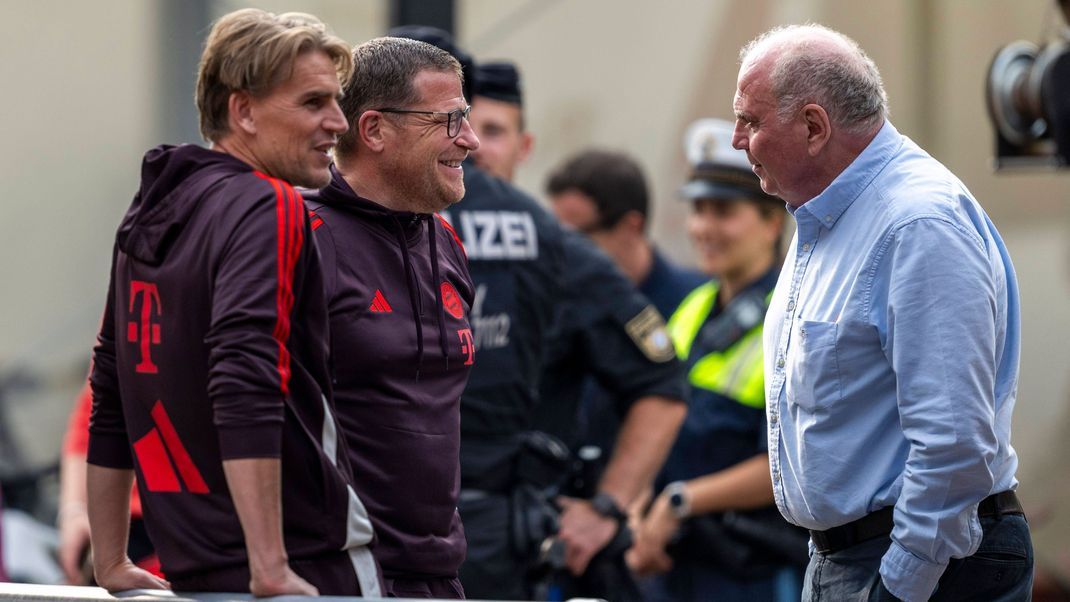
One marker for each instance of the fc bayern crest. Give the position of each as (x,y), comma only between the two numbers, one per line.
(452,301)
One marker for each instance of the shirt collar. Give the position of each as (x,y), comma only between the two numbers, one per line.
(828,206)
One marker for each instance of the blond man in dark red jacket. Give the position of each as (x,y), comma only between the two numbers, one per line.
(210,375)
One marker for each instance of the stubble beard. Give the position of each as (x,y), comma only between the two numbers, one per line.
(425,194)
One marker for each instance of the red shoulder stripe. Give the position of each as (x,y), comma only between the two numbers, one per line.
(454,233)
(297,234)
(289,234)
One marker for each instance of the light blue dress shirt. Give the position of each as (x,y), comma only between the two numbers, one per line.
(891,358)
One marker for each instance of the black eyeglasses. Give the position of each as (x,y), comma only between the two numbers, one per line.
(453,118)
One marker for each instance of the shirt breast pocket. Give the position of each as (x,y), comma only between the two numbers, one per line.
(813,373)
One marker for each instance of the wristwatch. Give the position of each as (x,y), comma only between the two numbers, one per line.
(604,504)
(679,499)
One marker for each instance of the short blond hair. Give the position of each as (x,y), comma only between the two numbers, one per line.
(253,51)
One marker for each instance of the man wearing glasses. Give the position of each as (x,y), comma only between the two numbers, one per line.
(399,297)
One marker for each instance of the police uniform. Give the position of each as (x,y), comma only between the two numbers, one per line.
(726,424)
(515,255)
(609,333)
(540,292)
(665,286)
(735,555)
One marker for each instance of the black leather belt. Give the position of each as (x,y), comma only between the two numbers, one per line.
(879,523)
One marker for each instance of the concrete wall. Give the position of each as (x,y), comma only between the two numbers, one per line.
(79,108)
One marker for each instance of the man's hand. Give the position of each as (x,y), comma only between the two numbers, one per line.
(279,581)
(583,531)
(125,575)
(648,555)
(73,542)
(255,486)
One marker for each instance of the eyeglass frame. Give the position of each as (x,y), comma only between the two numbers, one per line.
(460,113)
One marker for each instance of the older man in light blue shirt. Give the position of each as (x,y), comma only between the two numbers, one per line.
(891,343)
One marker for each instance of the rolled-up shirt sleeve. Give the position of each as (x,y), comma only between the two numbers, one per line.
(941,343)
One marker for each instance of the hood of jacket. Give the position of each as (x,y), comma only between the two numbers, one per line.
(173,182)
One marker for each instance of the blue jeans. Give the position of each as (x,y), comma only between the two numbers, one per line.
(1000,571)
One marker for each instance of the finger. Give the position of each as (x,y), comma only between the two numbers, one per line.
(70,571)
(632,559)
(70,556)
(150,581)
(307,588)
(638,561)
(661,563)
(580,559)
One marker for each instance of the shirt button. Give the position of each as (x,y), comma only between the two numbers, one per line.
(780,362)
(828,219)
(772,419)
(791,305)
(806,247)
(776,476)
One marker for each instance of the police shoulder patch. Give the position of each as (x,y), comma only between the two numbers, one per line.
(647,330)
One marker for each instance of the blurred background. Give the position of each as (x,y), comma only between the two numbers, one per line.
(92,85)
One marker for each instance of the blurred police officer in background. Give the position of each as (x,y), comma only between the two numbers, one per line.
(534,280)
(713,529)
(498,119)
(604,195)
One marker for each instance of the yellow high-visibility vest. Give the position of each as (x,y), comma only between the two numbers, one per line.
(736,372)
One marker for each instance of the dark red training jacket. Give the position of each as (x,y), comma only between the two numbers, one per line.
(214,347)
(399,296)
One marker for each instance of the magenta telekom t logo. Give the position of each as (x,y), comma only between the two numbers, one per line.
(146,332)
(468,347)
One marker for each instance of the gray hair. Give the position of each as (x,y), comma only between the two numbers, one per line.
(383,74)
(845,82)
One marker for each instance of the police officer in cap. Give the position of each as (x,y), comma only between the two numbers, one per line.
(498,119)
(713,529)
(532,278)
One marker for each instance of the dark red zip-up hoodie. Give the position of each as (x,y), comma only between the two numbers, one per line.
(399,296)
(214,347)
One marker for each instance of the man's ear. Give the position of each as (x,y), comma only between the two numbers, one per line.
(634,222)
(240,112)
(527,143)
(818,128)
(372,130)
